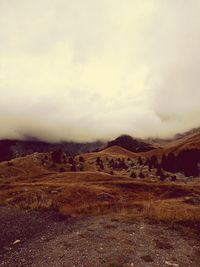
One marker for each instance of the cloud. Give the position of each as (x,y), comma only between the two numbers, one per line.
(83,70)
(176,73)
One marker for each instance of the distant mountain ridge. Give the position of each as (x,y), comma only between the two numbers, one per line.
(190,132)
(160,142)
(10,149)
(131,144)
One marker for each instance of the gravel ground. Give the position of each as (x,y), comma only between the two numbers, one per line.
(46,239)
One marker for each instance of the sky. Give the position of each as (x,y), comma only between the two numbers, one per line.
(87,70)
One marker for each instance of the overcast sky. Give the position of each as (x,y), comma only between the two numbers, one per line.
(92,69)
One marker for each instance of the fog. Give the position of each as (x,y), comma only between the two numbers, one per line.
(87,70)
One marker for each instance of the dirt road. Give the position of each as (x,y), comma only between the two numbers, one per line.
(46,239)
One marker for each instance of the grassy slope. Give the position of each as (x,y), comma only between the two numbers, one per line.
(28,184)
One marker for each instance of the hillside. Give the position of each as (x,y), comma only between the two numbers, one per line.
(74,207)
(184,142)
(28,183)
(112,151)
(10,149)
(130,143)
(159,142)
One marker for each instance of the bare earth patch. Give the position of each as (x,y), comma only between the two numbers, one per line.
(48,239)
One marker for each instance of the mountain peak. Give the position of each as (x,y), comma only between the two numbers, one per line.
(130,143)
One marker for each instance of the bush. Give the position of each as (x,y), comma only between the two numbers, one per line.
(71,160)
(101,165)
(133,175)
(81,159)
(140,161)
(173,178)
(141,175)
(62,169)
(153,162)
(53,165)
(159,172)
(73,168)
(98,161)
(81,168)
(57,156)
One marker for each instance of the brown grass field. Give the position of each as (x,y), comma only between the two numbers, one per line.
(27,183)
(96,193)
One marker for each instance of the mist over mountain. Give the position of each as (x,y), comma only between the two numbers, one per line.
(10,149)
(91,70)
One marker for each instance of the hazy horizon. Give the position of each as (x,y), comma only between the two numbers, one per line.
(92,70)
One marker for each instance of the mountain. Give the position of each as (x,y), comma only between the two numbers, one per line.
(188,133)
(10,149)
(186,141)
(111,152)
(160,142)
(131,144)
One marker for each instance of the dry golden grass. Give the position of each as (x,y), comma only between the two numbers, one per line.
(164,210)
(187,142)
(114,152)
(76,193)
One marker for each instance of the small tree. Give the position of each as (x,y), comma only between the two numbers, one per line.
(73,168)
(57,156)
(173,178)
(141,175)
(160,173)
(140,161)
(81,168)
(71,160)
(62,169)
(149,168)
(98,161)
(133,175)
(81,159)
(53,166)
(153,162)
(101,165)
(123,165)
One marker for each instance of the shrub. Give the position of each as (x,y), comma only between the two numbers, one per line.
(57,156)
(98,161)
(62,169)
(159,172)
(133,175)
(101,165)
(173,178)
(141,175)
(81,159)
(140,161)
(73,168)
(71,160)
(81,168)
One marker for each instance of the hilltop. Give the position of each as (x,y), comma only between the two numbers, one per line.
(130,143)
